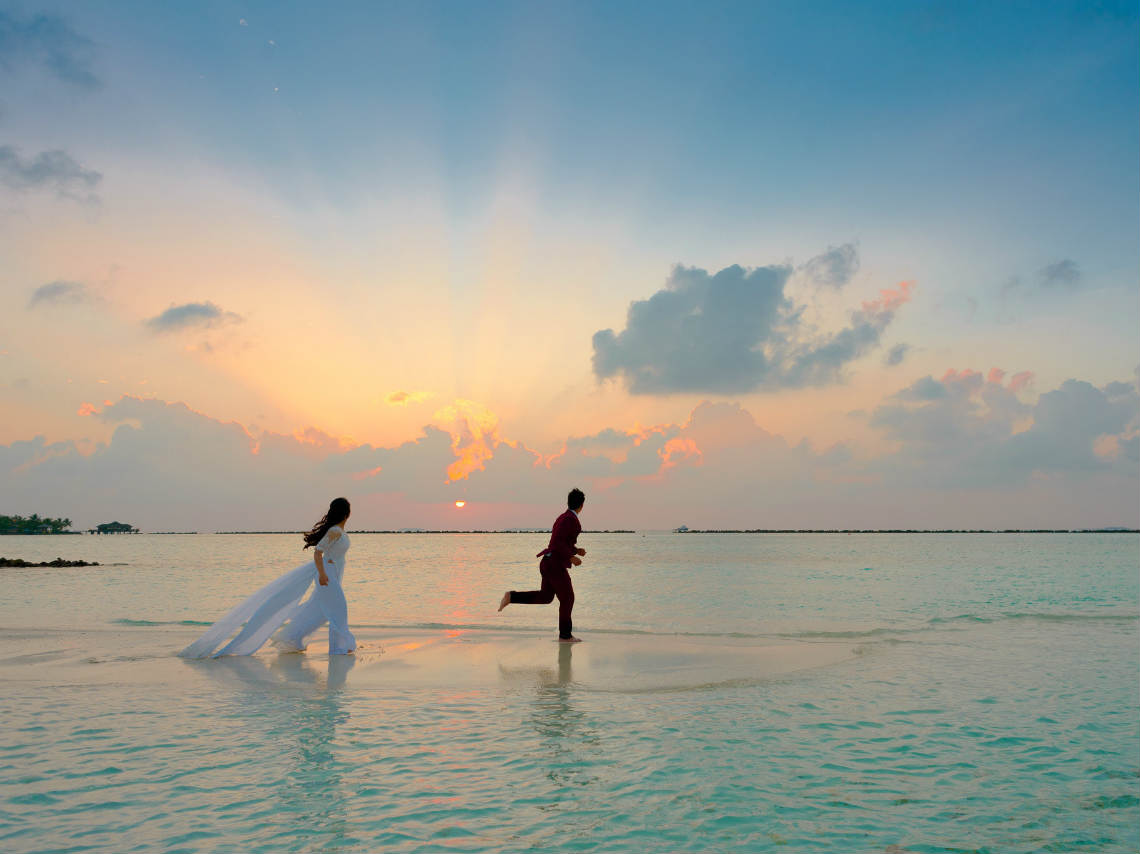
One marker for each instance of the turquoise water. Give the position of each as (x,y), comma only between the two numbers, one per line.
(990,701)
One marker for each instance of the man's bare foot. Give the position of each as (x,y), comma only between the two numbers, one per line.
(505,601)
(570,639)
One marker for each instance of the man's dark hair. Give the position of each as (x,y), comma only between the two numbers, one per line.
(575,499)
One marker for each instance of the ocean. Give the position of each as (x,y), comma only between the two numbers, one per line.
(734,693)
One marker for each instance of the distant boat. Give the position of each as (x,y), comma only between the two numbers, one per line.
(684,529)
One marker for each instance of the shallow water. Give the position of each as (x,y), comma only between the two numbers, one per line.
(978,693)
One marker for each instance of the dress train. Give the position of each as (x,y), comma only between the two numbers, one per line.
(280,601)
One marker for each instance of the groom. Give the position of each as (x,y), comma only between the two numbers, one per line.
(554,567)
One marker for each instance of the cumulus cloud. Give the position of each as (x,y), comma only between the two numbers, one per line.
(926,388)
(1068,422)
(835,267)
(56,170)
(734,331)
(225,476)
(59,292)
(475,434)
(896,355)
(613,453)
(967,429)
(1061,274)
(605,440)
(967,451)
(817,361)
(191,315)
(1048,283)
(49,42)
(699,333)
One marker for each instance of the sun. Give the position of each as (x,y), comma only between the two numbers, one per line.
(460,503)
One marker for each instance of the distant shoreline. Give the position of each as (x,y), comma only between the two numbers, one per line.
(20,563)
(913,531)
(754,531)
(760,531)
(421,531)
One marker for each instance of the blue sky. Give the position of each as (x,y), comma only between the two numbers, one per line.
(441,180)
(747,110)
(999,136)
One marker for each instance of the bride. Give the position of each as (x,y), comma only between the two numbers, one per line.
(280,601)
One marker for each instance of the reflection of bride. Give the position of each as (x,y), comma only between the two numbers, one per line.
(280,601)
(286,700)
(256,673)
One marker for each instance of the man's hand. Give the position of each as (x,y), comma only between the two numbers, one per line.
(581,552)
(577,561)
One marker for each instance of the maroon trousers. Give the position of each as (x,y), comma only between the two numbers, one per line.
(555,582)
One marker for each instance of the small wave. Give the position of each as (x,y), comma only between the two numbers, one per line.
(853,634)
(889,634)
(961,618)
(1067,617)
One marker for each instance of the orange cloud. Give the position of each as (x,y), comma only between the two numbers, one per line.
(88,409)
(890,299)
(973,380)
(323,441)
(966,378)
(1020,380)
(403,398)
(1017,381)
(677,451)
(474,433)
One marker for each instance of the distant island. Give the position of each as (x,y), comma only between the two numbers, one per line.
(21,563)
(34,524)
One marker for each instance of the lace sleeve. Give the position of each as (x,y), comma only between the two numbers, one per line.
(330,537)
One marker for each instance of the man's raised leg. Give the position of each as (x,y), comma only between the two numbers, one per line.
(543,596)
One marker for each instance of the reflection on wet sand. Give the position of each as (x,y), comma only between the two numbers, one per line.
(255,670)
(566,732)
(297,706)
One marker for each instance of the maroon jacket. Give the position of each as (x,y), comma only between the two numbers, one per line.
(563,539)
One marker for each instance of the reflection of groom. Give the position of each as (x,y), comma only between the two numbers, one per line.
(557,558)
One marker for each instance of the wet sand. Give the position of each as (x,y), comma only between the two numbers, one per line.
(418,658)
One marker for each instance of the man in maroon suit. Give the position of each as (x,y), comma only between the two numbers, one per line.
(557,558)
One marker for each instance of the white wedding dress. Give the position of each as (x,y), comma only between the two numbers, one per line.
(280,602)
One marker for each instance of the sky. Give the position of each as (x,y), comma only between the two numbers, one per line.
(725,265)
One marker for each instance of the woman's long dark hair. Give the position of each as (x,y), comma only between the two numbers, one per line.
(339,509)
